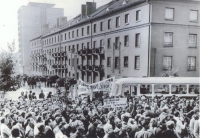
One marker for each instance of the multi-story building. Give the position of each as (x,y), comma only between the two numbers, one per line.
(34,19)
(122,38)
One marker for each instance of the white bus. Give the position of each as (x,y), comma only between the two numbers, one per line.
(149,86)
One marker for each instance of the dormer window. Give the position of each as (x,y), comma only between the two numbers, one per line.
(125,2)
(107,9)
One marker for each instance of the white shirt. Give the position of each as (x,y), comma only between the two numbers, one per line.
(179,125)
(5,130)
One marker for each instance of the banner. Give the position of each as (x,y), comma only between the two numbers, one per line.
(116,102)
(104,85)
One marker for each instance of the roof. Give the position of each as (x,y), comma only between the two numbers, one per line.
(158,80)
(41,4)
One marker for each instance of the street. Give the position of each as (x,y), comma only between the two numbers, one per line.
(15,94)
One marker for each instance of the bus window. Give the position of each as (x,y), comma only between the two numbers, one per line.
(161,88)
(145,89)
(179,89)
(133,90)
(129,89)
(194,89)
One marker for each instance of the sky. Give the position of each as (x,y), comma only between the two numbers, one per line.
(9,22)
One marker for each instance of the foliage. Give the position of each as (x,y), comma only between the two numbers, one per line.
(170,73)
(6,68)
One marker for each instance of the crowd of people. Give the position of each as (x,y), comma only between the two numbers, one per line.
(41,117)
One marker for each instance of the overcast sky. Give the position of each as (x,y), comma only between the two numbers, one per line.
(8,15)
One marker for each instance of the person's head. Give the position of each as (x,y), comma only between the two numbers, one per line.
(170,125)
(41,91)
(80,126)
(22,93)
(30,92)
(41,127)
(118,123)
(20,119)
(144,121)
(153,122)
(15,132)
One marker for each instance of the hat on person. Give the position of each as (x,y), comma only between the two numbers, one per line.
(110,114)
(170,124)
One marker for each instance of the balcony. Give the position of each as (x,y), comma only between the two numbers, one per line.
(80,52)
(98,68)
(101,50)
(95,51)
(84,51)
(89,51)
(84,67)
(89,67)
(79,67)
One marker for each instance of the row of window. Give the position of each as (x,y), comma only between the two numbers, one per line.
(169,14)
(167,63)
(168,40)
(125,62)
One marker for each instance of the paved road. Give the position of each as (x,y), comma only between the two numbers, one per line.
(15,94)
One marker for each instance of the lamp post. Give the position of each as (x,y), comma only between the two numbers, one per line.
(75,68)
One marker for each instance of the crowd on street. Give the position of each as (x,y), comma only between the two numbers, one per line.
(84,117)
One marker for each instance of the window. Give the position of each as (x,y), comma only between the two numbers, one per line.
(169,13)
(88,30)
(126,18)
(72,34)
(109,24)
(69,48)
(82,31)
(137,62)
(69,35)
(88,45)
(77,47)
(117,21)
(117,43)
(168,39)
(138,15)
(191,63)
(94,44)
(101,26)
(167,63)
(137,40)
(77,32)
(108,61)
(65,36)
(192,40)
(126,40)
(126,61)
(95,26)
(116,62)
(101,43)
(193,15)
(109,43)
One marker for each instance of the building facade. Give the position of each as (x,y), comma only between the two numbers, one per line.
(33,20)
(122,38)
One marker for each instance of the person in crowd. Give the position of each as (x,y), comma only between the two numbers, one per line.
(41,95)
(142,117)
(30,95)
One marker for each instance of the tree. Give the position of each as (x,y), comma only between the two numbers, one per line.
(6,68)
(170,73)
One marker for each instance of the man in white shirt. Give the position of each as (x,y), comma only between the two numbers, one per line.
(5,131)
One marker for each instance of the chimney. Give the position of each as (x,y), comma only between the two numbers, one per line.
(45,27)
(58,23)
(63,20)
(83,11)
(90,7)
